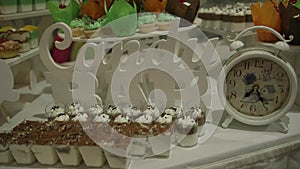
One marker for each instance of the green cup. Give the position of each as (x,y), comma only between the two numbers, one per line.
(24,5)
(8,6)
(39,5)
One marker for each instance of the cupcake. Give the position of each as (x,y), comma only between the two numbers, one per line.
(164,21)
(186,128)
(92,29)
(77,26)
(146,23)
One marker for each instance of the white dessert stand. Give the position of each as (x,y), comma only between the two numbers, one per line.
(6,88)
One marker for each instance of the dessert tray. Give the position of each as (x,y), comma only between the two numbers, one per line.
(184,84)
(108,36)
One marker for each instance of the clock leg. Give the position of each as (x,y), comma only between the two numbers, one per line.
(283,126)
(227,121)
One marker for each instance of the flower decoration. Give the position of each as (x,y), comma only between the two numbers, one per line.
(62,12)
(249,78)
(122,17)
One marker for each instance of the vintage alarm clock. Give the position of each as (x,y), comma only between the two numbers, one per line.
(260,85)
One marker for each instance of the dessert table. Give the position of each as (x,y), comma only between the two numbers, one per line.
(238,146)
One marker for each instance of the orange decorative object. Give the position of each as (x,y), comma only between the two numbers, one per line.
(155,5)
(266,15)
(94,8)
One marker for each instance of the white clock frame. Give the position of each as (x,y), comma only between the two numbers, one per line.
(265,53)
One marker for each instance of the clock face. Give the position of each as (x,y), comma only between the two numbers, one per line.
(257,87)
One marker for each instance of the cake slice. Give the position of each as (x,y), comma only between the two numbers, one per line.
(66,147)
(24,136)
(43,149)
(91,153)
(5,154)
(21,146)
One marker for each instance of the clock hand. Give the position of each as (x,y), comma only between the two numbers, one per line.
(247,94)
(260,98)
